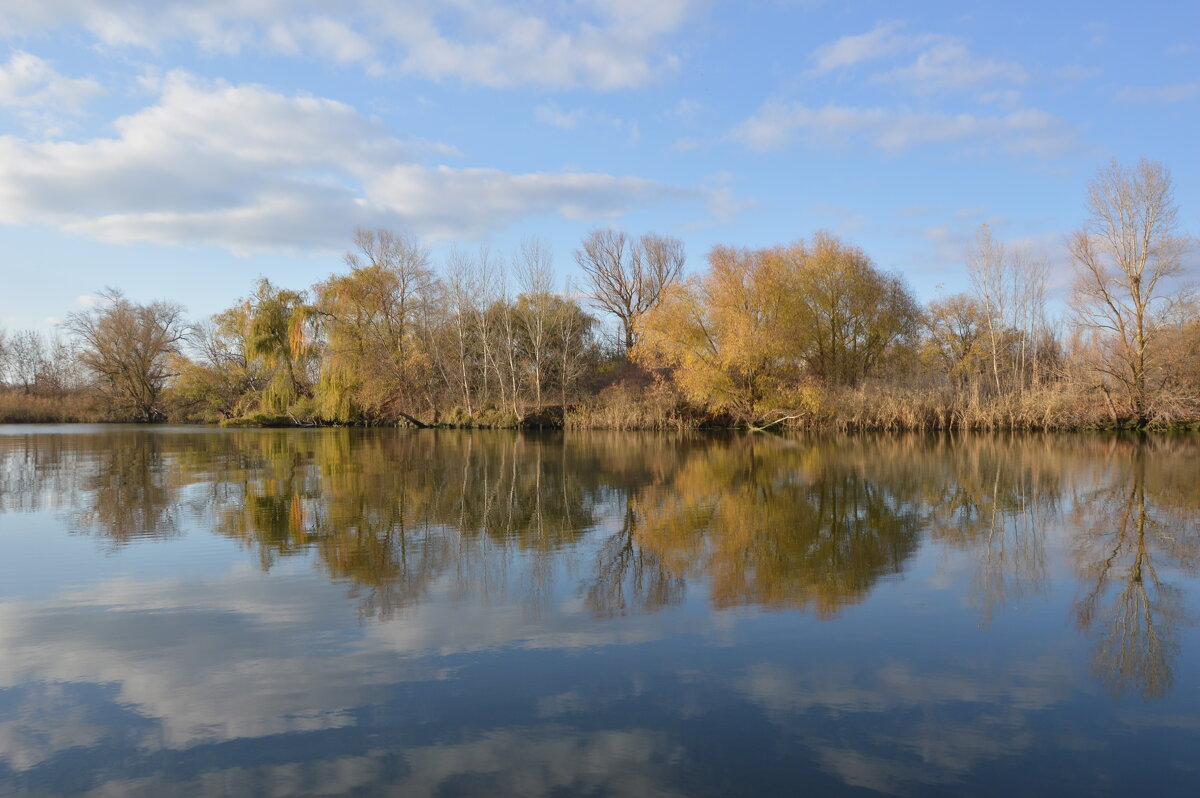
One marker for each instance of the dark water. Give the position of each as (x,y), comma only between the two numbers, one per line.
(329,612)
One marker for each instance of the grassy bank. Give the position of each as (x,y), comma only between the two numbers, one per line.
(21,408)
(659,407)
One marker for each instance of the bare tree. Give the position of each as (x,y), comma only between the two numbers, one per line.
(535,306)
(1124,256)
(1010,283)
(987,269)
(629,277)
(128,347)
(464,290)
(26,350)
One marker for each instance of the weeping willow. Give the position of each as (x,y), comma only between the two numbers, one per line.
(281,340)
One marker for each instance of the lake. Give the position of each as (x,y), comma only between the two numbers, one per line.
(192,611)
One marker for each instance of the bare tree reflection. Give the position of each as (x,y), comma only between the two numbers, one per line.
(1000,493)
(630,578)
(1126,546)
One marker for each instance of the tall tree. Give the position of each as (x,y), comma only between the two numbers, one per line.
(956,332)
(846,316)
(628,277)
(26,349)
(128,347)
(1125,256)
(535,308)
(377,362)
(281,343)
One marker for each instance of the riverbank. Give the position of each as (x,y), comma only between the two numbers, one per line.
(625,407)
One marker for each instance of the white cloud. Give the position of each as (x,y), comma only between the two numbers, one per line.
(942,63)
(604,44)
(557,117)
(777,124)
(950,66)
(31,87)
(884,40)
(246,168)
(1161,94)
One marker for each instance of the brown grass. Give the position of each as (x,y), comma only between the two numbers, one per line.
(624,406)
(21,408)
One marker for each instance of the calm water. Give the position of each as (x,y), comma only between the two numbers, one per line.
(328,612)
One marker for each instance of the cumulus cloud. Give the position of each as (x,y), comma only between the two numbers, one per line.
(777,124)
(27,81)
(32,88)
(604,44)
(246,168)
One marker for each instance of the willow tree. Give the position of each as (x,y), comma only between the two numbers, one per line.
(752,334)
(844,316)
(280,340)
(222,379)
(377,363)
(1125,256)
(720,335)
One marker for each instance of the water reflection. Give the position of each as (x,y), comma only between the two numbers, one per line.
(1133,530)
(805,524)
(436,613)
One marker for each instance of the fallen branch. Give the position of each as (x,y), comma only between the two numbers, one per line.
(774,423)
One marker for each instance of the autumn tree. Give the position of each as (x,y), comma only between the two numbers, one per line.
(1125,257)
(375,321)
(957,336)
(726,336)
(220,379)
(746,336)
(281,343)
(629,276)
(844,316)
(128,348)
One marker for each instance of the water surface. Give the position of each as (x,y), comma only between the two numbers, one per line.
(383,612)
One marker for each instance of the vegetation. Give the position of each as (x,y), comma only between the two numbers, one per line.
(811,333)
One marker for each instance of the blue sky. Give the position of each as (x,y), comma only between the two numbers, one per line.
(181,148)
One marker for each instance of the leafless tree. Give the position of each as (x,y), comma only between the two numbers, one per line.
(628,277)
(26,350)
(536,306)
(128,347)
(1125,256)
(1011,285)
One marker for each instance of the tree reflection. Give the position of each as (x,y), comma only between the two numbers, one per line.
(998,495)
(773,522)
(810,523)
(1132,533)
(392,512)
(629,578)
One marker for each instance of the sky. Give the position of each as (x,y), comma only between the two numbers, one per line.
(180,149)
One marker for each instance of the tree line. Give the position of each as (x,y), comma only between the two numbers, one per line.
(808,333)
